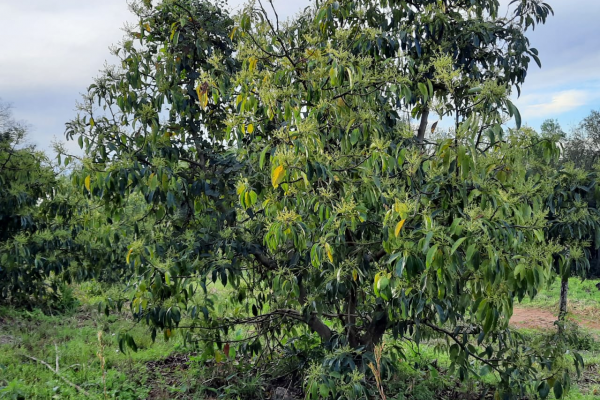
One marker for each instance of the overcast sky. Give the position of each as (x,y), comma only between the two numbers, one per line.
(53,48)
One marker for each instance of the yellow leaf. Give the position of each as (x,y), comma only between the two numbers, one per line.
(129,254)
(147,26)
(354,274)
(329,253)
(233,33)
(399,227)
(241,188)
(87,182)
(250,128)
(277,176)
(402,209)
(252,63)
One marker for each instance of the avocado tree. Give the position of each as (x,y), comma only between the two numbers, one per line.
(581,144)
(51,232)
(26,178)
(573,218)
(574,223)
(452,50)
(277,155)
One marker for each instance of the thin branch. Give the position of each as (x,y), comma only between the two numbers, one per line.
(56,350)
(68,382)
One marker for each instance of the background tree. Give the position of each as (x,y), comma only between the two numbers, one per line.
(51,233)
(573,218)
(573,223)
(582,145)
(26,179)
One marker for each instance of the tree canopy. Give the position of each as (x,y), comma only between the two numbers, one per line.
(276,159)
(51,232)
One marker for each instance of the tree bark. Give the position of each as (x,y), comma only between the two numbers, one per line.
(351,320)
(264,260)
(564,290)
(423,125)
(314,323)
(375,330)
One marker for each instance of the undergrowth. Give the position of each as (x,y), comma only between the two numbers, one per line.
(84,345)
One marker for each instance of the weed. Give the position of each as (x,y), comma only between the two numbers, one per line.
(14,390)
(376,368)
(100,355)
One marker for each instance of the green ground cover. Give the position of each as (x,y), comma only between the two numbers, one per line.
(80,340)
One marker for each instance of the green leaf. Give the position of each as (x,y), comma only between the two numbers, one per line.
(544,389)
(482,309)
(423,90)
(558,389)
(263,155)
(431,255)
(456,244)
(470,251)
(520,271)
(355,136)
(513,111)
(400,266)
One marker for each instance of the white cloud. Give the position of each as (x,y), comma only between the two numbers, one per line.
(544,105)
(50,45)
(52,49)
(57,44)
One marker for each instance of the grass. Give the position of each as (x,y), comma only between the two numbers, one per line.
(168,370)
(583,297)
(72,340)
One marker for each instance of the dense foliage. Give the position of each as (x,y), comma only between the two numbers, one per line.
(51,233)
(26,178)
(275,161)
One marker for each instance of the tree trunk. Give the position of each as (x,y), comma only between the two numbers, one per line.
(351,320)
(375,330)
(423,126)
(564,290)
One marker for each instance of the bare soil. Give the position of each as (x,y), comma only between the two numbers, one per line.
(537,318)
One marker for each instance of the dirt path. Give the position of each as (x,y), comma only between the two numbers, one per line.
(529,317)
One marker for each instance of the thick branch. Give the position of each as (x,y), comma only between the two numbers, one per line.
(423,125)
(313,322)
(264,260)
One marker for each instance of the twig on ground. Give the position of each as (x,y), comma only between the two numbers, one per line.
(68,382)
(56,350)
